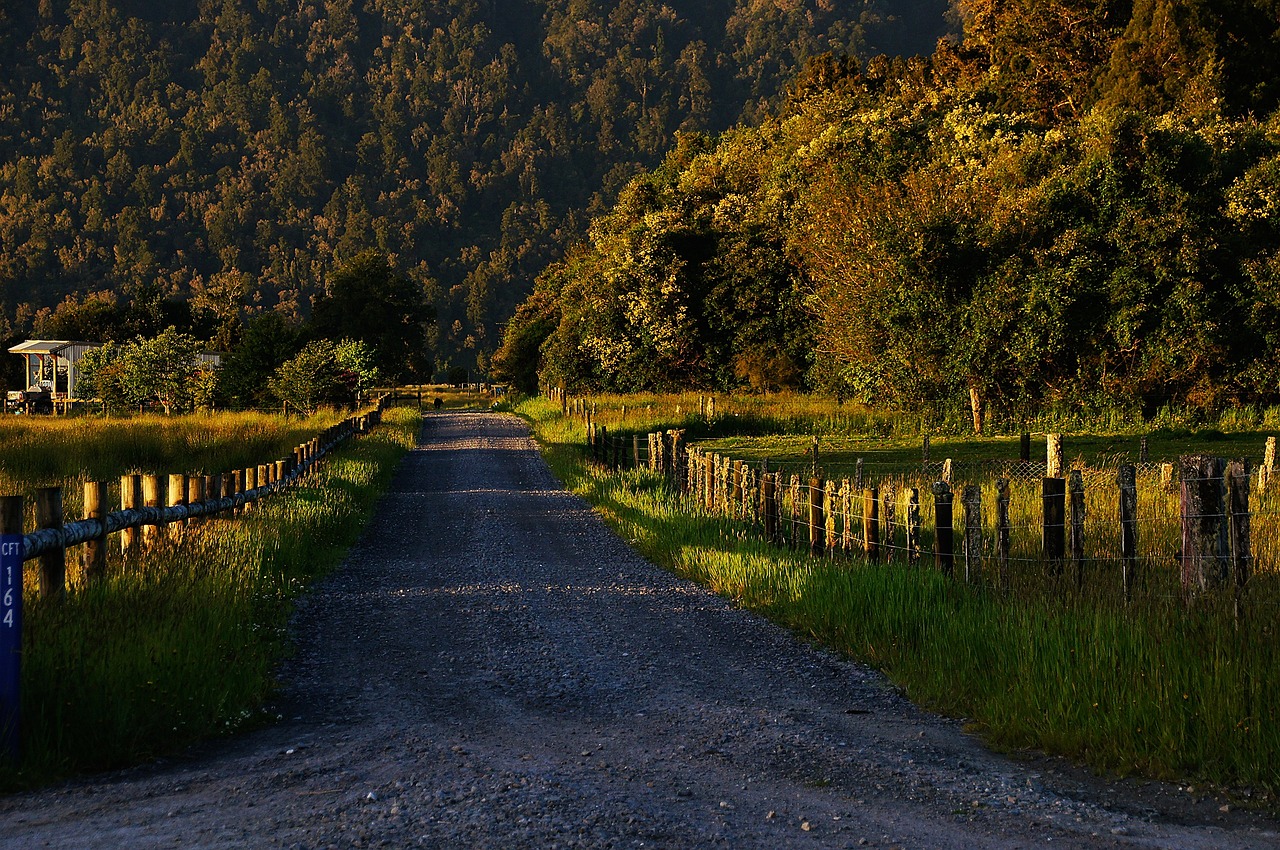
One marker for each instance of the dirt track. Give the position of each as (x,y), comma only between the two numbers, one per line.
(493,668)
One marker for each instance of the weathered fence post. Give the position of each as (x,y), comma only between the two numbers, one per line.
(1128,480)
(1204,541)
(871,523)
(197,491)
(944,533)
(1143,454)
(1003,494)
(1024,448)
(857,476)
(971,499)
(177,495)
(831,510)
(889,514)
(1077,524)
(1053,529)
(53,563)
(1238,531)
(796,513)
(635,451)
(738,507)
(130,498)
(11,559)
(151,498)
(846,506)
(1268,464)
(913,527)
(924,454)
(94,557)
(768,495)
(1053,455)
(817,522)
(238,482)
(946,471)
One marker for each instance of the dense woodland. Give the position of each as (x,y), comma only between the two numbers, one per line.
(1076,205)
(201,164)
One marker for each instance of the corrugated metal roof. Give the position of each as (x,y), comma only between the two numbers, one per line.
(40,346)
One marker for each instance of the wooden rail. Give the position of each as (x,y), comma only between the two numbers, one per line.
(55,536)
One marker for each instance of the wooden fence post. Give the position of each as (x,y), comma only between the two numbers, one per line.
(196,489)
(768,491)
(1053,456)
(871,523)
(889,513)
(1128,480)
(796,514)
(817,522)
(151,498)
(130,498)
(177,495)
(1237,480)
(971,499)
(1143,453)
(1024,448)
(94,557)
(913,527)
(831,510)
(53,563)
(946,471)
(857,476)
(1268,464)
(1204,534)
(944,533)
(1077,524)
(738,507)
(1053,528)
(1003,494)
(924,454)
(635,451)
(846,506)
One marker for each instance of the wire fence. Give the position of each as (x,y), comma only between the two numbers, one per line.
(1204,522)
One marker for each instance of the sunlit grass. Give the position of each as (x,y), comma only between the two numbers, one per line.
(1155,685)
(182,643)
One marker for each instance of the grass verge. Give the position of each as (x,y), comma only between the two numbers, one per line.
(1154,688)
(182,645)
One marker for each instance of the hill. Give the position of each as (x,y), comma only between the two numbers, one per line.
(197,162)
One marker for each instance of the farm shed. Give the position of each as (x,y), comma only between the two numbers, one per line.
(52,364)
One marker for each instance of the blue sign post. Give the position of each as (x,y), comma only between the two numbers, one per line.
(10,640)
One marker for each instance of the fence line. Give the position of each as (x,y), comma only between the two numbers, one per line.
(1209,537)
(236,490)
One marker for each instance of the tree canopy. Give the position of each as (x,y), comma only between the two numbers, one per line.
(204,162)
(1011,224)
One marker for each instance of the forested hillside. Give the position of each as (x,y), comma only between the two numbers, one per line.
(194,162)
(1077,206)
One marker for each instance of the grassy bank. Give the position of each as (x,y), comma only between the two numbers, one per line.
(1154,688)
(182,644)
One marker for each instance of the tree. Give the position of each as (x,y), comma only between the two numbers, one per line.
(269,340)
(313,377)
(165,370)
(367,300)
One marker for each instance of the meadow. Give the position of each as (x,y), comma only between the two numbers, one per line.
(1159,685)
(183,642)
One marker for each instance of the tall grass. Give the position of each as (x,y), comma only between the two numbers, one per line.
(182,644)
(1157,686)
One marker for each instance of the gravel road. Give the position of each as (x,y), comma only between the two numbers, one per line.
(493,668)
